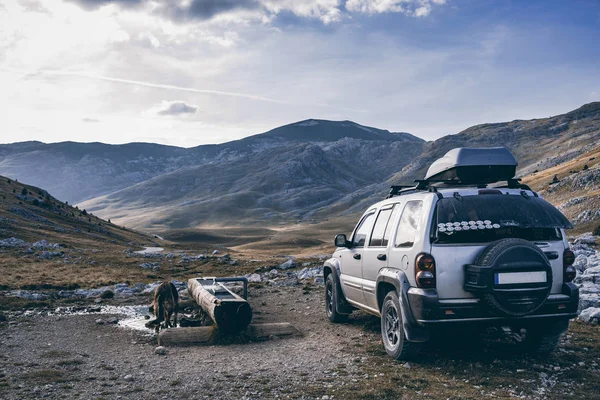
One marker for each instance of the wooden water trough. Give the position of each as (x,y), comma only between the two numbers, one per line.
(230,313)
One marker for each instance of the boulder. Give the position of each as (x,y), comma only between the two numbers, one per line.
(289,264)
(580,262)
(589,288)
(590,315)
(585,239)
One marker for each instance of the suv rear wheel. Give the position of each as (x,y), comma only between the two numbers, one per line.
(392,332)
(541,340)
(331,301)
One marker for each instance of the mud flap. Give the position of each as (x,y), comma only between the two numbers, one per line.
(343,307)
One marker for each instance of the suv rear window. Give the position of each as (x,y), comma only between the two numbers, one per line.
(489,217)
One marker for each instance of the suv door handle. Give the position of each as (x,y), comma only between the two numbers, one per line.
(381,257)
(356,256)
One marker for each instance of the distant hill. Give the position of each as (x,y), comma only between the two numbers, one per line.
(308,171)
(282,175)
(538,144)
(76,172)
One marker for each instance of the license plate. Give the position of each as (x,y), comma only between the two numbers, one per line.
(507,278)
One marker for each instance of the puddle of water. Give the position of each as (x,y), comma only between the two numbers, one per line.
(135,316)
(149,250)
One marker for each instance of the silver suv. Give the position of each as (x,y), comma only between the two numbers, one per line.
(467,247)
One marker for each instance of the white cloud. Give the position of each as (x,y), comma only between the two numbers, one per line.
(414,8)
(173,108)
(327,11)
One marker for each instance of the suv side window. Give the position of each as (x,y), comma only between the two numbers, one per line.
(362,230)
(381,230)
(409,224)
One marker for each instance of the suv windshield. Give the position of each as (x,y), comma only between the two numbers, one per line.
(489,217)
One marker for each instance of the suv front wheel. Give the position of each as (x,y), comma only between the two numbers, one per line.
(392,332)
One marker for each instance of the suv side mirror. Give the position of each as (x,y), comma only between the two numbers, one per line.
(341,241)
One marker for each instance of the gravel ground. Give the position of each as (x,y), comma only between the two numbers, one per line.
(71,356)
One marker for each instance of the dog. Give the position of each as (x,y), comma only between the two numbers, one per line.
(165,305)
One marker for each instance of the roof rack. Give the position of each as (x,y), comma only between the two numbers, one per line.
(433,185)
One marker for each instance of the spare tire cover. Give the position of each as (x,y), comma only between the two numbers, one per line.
(516,287)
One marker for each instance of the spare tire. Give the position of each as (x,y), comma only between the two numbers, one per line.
(513,277)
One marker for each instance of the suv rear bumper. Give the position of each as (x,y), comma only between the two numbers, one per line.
(428,310)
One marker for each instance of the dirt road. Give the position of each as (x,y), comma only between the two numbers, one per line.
(71,356)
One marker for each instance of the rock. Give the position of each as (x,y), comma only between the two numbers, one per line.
(590,315)
(150,265)
(113,320)
(585,239)
(273,273)
(128,378)
(289,264)
(224,259)
(254,278)
(290,280)
(12,242)
(214,253)
(161,351)
(26,294)
(44,245)
(306,273)
(100,321)
(233,262)
(580,262)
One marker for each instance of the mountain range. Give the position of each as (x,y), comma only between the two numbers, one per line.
(310,170)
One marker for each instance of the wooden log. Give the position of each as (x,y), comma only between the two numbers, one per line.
(231,313)
(187,336)
(206,335)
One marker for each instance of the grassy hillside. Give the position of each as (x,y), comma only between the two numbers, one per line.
(81,249)
(577,192)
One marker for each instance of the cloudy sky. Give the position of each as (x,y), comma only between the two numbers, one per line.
(189,72)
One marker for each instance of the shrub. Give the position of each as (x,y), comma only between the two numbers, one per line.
(36,202)
(107,294)
(24,192)
(597,231)
(84,212)
(585,167)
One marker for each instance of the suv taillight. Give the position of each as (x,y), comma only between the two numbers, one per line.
(425,271)
(569,272)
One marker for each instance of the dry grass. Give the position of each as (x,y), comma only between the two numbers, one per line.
(539,182)
(461,369)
